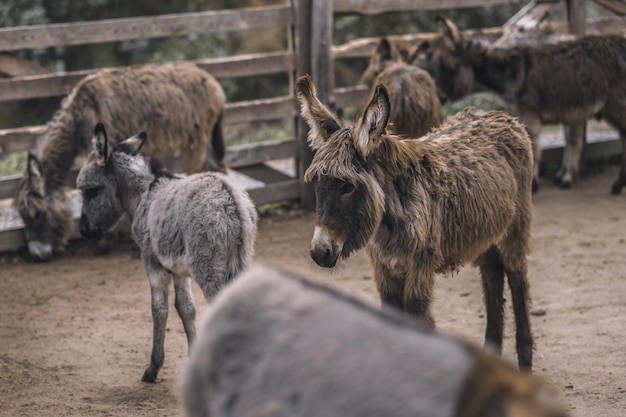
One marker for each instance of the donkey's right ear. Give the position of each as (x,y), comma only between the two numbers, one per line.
(449,29)
(100,144)
(34,172)
(321,121)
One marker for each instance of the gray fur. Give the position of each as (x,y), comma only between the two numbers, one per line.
(461,193)
(179,104)
(566,82)
(202,225)
(276,344)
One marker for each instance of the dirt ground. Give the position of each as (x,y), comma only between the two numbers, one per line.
(75,333)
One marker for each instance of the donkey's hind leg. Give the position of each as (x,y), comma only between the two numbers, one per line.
(185,307)
(492,274)
(159,279)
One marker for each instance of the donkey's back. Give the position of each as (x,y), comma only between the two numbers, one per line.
(202,224)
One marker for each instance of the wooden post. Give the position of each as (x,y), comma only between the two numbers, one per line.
(576,16)
(313,41)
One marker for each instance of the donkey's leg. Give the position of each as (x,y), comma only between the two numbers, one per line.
(514,249)
(185,307)
(574,141)
(159,279)
(418,293)
(621,178)
(390,288)
(492,274)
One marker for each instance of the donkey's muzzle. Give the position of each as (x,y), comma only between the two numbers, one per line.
(88,232)
(324,251)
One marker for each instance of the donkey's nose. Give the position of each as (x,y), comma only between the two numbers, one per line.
(40,251)
(86,231)
(323,256)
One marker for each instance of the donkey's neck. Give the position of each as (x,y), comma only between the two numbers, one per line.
(498,69)
(133,183)
(60,146)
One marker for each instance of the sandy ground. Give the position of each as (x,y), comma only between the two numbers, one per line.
(75,334)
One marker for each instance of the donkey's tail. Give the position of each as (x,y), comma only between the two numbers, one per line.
(217,142)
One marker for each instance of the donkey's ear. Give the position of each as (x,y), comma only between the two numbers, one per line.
(100,144)
(422,49)
(369,130)
(136,142)
(322,122)
(384,50)
(34,172)
(448,29)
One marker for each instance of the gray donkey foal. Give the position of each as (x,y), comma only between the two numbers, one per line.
(203,225)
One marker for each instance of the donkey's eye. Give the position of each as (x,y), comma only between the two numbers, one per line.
(346,189)
(90,193)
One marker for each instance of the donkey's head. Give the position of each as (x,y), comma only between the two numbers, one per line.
(389,53)
(99,184)
(350,201)
(453,74)
(47,215)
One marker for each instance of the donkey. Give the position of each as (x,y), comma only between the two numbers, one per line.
(458,194)
(266,342)
(181,105)
(415,106)
(203,225)
(565,82)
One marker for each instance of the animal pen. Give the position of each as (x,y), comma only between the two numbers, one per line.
(308,28)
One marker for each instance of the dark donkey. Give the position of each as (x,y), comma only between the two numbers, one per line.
(181,106)
(425,206)
(565,82)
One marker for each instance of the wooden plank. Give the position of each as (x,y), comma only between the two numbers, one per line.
(364,47)
(273,193)
(12,66)
(8,185)
(264,173)
(378,6)
(19,139)
(351,96)
(60,84)
(260,110)
(616,6)
(115,30)
(255,153)
(576,16)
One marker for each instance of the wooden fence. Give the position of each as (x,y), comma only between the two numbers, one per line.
(310,49)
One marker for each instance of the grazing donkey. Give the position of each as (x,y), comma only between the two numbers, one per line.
(415,106)
(565,82)
(180,104)
(458,194)
(276,344)
(203,225)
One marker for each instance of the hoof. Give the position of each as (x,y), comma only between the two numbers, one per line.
(616,188)
(149,375)
(535,186)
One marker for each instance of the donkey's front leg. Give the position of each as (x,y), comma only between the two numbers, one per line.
(185,307)
(418,293)
(159,288)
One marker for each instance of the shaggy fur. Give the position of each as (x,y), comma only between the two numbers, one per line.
(203,226)
(179,104)
(565,82)
(276,344)
(459,194)
(415,107)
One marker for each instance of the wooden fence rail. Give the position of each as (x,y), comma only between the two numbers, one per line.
(307,26)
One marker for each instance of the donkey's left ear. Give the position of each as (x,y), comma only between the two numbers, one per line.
(369,130)
(100,144)
(136,142)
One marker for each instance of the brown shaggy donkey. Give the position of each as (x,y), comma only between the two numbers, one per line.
(179,105)
(415,106)
(425,206)
(566,82)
